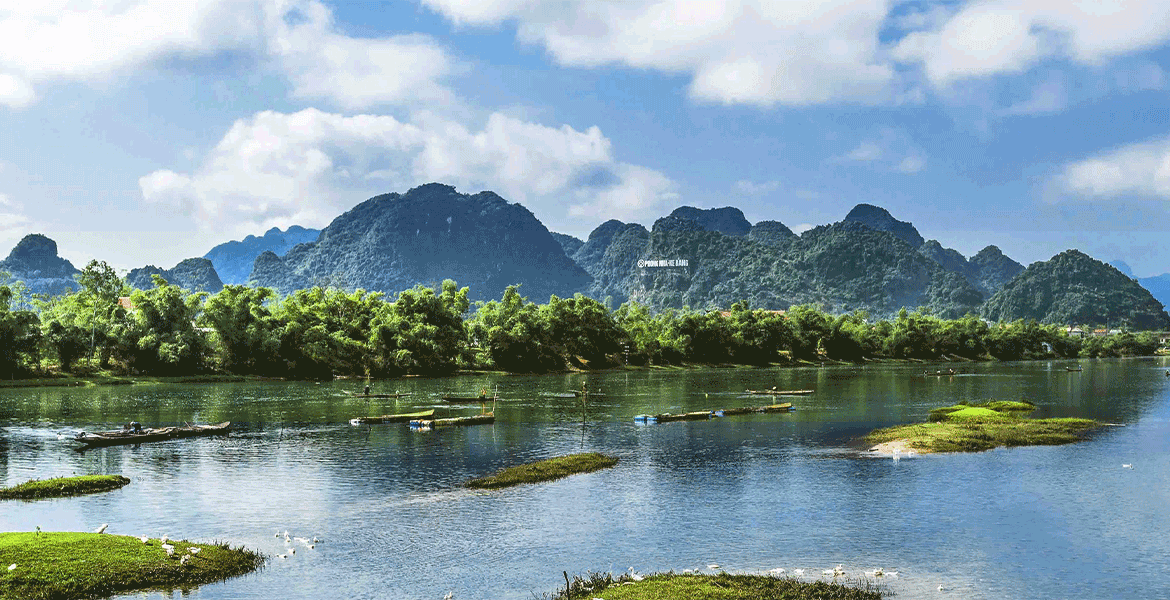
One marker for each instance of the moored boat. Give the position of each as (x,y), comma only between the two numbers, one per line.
(697,415)
(158,434)
(776,392)
(398,418)
(481,419)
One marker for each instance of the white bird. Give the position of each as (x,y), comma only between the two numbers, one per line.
(169,548)
(875,573)
(798,572)
(311,546)
(712,566)
(193,550)
(101,529)
(941,588)
(1126,466)
(316,540)
(634,576)
(292,550)
(163,539)
(282,555)
(449,596)
(776,571)
(183,561)
(12,567)
(688,571)
(144,539)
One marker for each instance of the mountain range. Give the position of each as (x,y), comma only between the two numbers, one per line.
(702,258)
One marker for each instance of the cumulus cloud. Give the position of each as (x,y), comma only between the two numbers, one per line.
(1136,170)
(993,37)
(278,169)
(756,52)
(92,40)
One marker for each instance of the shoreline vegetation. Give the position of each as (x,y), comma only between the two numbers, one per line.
(544,470)
(67,565)
(61,487)
(108,334)
(979,427)
(717,586)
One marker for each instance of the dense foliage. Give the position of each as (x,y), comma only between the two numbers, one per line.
(324,332)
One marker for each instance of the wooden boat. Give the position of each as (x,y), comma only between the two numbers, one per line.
(125,436)
(781,392)
(1074,369)
(747,410)
(481,419)
(467,399)
(398,418)
(357,395)
(698,415)
(578,393)
(556,395)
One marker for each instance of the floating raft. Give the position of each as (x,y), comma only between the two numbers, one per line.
(484,419)
(781,392)
(356,395)
(399,418)
(119,437)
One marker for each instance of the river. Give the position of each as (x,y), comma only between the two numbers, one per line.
(748,493)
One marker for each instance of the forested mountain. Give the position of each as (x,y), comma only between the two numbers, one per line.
(1158,285)
(568,243)
(34,261)
(876,217)
(727,220)
(987,271)
(192,274)
(394,241)
(233,260)
(1074,288)
(842,267)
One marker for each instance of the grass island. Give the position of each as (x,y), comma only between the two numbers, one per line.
(978,427)
(64,565)
(717,586)
(545,470)
(60,487)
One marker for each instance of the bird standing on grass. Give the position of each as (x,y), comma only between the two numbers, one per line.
(101,529)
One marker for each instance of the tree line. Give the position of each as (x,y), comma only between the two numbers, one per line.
(325,332)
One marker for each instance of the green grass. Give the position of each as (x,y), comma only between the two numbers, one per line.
(545,470)
(721,586)
(60,487)
(979,427)
(64,566)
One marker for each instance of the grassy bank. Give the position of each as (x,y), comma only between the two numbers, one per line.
(978,427)
(60,487)
(88,565)
(721,586)
(106,379)
(545,470)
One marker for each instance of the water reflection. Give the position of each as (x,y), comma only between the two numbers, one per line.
(748,492)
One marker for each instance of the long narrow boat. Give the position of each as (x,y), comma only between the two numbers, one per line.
(482,419)
(698,415)
(357,395)
(398,418)
(119,436)
(781,392)
(467,399)
(747,410)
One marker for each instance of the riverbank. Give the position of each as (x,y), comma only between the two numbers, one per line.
(60,487)
(978,427)
(545,470)
(720,586)
(107,379)
(65,565)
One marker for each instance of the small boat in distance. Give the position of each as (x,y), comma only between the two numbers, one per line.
(123,436)
(360,395)
(776,392)
(1074,369)
(481,419)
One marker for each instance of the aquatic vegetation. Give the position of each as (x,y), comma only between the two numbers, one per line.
(65,565)
(545,470)
(719,586)
(978,427)
(63,486)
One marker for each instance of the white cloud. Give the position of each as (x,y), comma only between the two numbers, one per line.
(751,188)
(278,169)
(1047,98)
(803,227)
(890,149)
(13,223)
(758,52)
(1141,170)
(994,37)
(92,40)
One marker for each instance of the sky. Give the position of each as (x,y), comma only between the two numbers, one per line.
(149,131)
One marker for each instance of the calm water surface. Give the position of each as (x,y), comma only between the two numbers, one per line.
(748,493)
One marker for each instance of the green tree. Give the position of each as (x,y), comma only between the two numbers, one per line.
(515,336)
(19,336)
(159,335)
(246,336)
(421,332)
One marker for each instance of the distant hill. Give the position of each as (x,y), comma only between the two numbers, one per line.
(568,243)
(394,241)
(987,271)
(1158,285)
(192,274)
(1074,288)
(841,267)
(233,260)
(727,220)
(880,219)
(34,261)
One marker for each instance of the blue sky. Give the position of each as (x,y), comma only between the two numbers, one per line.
(150,131)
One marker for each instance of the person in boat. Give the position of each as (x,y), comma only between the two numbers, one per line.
(367,390)
(952,371)
(132,427)
(482,393)
(584,387)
